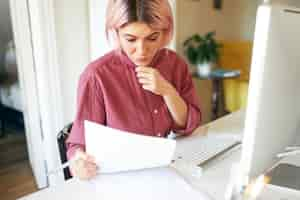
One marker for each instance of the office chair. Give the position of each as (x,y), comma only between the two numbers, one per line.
(61,138)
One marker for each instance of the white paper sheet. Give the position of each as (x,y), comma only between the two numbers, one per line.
(116,150)
(157,183)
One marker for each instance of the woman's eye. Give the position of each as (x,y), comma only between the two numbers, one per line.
(152,39)
(130,40)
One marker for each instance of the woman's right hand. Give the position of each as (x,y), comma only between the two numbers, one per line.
(84,166)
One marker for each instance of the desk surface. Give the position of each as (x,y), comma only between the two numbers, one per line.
(213,181)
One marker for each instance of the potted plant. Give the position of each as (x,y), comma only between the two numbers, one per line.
(202,51)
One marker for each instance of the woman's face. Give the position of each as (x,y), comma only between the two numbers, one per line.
(140,42)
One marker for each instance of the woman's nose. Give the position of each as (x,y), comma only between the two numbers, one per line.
(142,48)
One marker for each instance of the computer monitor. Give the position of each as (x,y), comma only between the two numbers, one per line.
(273,111)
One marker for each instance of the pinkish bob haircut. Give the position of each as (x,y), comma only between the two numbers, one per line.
(156,13)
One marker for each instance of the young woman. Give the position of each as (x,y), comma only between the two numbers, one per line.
(140,87)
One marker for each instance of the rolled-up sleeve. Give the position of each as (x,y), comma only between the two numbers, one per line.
(90,106)
(185,86)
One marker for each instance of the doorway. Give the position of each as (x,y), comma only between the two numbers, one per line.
(16,176)
(34,54)
(35,39)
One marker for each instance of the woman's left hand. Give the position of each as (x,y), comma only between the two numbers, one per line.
(153,81)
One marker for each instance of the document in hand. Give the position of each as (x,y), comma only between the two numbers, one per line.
(117,151)
(148,184)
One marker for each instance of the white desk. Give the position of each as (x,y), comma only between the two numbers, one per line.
(216,174)
(213,181)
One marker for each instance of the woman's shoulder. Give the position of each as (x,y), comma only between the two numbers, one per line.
(103,62)
(174,61)
(173,56)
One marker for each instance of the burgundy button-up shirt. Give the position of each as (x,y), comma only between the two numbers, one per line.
(109,93)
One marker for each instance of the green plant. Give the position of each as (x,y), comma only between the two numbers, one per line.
(201,49)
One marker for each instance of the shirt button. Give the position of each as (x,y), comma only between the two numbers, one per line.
(155,111)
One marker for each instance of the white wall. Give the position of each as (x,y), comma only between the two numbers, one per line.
(71,18)
(98,41)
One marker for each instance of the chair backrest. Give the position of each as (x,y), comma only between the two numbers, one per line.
(61,138)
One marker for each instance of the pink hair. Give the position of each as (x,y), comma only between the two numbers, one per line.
(156,13)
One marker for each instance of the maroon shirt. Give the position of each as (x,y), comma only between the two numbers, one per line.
(109,93)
